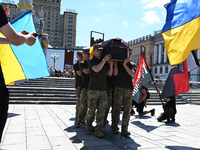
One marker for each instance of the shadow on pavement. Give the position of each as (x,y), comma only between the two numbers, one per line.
(109,142)
(72,119)
(173,124)
(142,117)
(181,148)
(12,115)
(148,128)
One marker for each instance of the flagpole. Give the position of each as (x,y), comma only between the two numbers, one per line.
(141,51)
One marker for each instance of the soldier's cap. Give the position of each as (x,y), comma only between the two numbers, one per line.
(86,51)
(79,53)
(96,46)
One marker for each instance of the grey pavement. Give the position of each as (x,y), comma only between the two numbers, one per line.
(51,127)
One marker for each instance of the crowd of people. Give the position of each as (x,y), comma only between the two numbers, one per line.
(68,73)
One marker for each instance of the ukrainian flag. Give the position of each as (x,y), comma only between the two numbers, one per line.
(181,31)
(23,62)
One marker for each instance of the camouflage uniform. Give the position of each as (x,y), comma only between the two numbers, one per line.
(83,104)
(97,96)
(97,100)
(84,86)
(122,97)
(110,91)
(78,92)
(110,104)
(78,87)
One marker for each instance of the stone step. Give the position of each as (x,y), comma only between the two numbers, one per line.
(40,95)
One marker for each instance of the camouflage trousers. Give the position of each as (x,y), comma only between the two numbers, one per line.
(110,103)
(97,100)
(78,92)
(122,97)
(83,104)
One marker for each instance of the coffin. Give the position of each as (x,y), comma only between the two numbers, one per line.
(117,50)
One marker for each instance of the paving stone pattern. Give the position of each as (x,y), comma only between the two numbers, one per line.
(51,127)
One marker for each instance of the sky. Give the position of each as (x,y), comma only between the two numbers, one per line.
(125,19)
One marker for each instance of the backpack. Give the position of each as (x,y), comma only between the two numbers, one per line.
(147,91)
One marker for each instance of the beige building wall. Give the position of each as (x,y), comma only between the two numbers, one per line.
(136,44)
(57,26)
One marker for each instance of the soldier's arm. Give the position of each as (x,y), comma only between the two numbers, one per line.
(98,67)
(144,96)
(78,72)
(86,70)
(128,70)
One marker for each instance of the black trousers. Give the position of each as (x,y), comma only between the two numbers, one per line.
(4,100)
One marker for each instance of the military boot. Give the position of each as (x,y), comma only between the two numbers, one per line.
(78,123)
(88,128)
(98,133)
(114,129)
(124,131)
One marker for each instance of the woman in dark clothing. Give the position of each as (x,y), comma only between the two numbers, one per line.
(171,107)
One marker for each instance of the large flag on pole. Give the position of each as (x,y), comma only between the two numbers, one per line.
(181,31)
(23,62)
(178,79)
(141,78)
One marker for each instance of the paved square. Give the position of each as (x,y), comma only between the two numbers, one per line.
(51,127)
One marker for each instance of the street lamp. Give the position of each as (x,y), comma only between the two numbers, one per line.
(54,57)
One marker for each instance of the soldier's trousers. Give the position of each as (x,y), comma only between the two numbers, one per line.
(78,92)
(110,103)
(4,100)
(83,104)
(97,100)
(122,97)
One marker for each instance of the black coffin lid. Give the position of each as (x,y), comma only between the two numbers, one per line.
(117,50)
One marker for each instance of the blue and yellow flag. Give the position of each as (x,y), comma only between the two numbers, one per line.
(181,31)
(23,62)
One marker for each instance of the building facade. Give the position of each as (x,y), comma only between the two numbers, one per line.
(145,42)
(11,9)
(161,64)
(156,56)
(60,28)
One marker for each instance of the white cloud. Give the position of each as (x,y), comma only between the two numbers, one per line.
(125,23)
(154,3)
(150,18)
(102,4)
(97,19)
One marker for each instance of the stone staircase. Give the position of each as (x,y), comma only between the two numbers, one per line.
(52,90)
(44,91)
(193,96)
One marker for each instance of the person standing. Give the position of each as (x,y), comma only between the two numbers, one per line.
(77,82)
(11,37)
(122,95)
(84,87)
(97,90)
